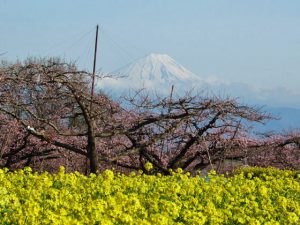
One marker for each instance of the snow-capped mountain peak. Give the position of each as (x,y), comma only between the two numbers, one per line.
(155,72)
(160,68)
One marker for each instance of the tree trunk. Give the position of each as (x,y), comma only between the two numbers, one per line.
(91,150)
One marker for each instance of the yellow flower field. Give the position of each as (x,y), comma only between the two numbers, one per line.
(251,196)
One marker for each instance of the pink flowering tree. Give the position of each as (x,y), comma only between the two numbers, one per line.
(280,150)
(48,117)
(190,132)
(50,102)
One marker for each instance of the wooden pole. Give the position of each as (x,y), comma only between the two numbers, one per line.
(91,140)
(95,61)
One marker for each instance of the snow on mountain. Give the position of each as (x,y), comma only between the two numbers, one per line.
(156,72)
(157,67)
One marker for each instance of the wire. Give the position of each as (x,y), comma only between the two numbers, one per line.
(87,53)
(57,46)
(122,49)
(116,44)
(76,41)
(139,50)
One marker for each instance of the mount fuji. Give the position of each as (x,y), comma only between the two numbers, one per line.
(159,68)
(155,72)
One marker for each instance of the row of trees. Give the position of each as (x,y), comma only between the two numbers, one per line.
(48,117)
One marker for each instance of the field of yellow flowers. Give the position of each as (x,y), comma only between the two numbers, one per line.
(251,196)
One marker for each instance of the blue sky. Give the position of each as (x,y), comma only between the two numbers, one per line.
(256,41)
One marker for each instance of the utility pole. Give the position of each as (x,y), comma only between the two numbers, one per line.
(91,137)
(95,61)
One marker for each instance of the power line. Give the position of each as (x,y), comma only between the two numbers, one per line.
(57,46)
(86,55)
(139,50)
(127,53)
(76,42)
